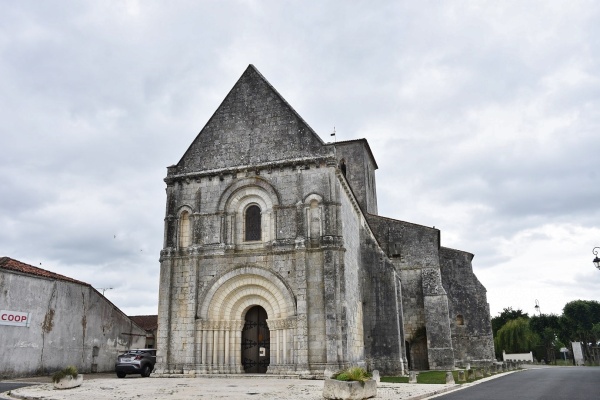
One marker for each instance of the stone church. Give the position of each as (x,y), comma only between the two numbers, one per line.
(275,259)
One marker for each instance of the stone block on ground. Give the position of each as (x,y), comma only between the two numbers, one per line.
(412,377)
(449,377)
(351,390)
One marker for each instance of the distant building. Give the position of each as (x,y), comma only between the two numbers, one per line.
(150,324)
(49,321)
(276,261)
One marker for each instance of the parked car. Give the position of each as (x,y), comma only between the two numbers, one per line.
(136,361)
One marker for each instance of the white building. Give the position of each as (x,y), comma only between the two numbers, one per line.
(49,321)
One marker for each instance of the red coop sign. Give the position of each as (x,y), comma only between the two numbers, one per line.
(14,318)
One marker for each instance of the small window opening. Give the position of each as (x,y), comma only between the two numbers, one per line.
(253,224)
(460,320)
(343,166)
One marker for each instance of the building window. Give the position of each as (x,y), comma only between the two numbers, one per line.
(460,320)
(252,223)
(184,229)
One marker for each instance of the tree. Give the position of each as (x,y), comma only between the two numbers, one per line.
(506,315)
(547,327)
(516,337)
(578,324)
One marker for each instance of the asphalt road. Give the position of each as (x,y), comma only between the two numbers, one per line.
(6,386)
(566,383)
(13,384)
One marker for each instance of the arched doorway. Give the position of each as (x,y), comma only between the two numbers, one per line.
(255,341)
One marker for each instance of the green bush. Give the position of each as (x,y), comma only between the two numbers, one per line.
(58,375)
(353,374)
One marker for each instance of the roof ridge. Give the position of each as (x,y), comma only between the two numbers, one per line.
(284,101)
(19,266)
(251,69)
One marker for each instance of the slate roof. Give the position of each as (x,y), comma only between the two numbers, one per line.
(148,322)
(10,264)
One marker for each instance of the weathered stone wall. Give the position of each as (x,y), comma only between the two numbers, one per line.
(382,310)
(352,306)
(439,342)
(71,324)
(359,167)
(413,250)
(468,308)
(303,226)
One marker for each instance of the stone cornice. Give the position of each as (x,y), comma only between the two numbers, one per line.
(287,323)
(300,163)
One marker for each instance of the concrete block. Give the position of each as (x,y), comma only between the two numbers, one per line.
(334,389)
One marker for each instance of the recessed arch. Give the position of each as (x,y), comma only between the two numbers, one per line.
(230,295)
(314,217)
(184,227)
(233,203)
(260,185)
(313,197)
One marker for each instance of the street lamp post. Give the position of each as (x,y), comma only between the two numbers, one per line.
(596,260)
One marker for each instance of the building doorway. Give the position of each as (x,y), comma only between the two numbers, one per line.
(255,341)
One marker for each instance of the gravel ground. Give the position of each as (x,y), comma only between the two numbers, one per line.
(111,388)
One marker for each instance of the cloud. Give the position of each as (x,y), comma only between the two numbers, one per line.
(483,118)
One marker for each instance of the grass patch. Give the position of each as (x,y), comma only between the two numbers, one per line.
(425,377)
(432,377)
(357,374)
(428,377)
(58,375)
(564,363)
(394,379)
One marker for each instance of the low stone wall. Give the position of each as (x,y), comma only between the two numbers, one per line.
(517,356)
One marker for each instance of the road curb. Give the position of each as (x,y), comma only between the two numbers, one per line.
(435,393)
(468,385)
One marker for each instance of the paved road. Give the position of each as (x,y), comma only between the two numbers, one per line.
(12,384)
(6,386)
(568,383)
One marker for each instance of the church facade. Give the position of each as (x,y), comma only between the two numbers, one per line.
(275,260)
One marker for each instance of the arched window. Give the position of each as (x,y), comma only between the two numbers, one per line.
(184,229)
(343,166)
(252,220)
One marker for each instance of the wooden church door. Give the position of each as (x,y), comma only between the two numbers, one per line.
(255,341)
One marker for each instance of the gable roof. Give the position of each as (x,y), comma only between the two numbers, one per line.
(18,266)
(148,322)
(254,125)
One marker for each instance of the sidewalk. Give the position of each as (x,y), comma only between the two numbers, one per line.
(103,387)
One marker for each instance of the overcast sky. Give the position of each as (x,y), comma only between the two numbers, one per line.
(483,117)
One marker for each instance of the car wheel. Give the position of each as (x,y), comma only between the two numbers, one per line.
(121,374)
(146,371)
